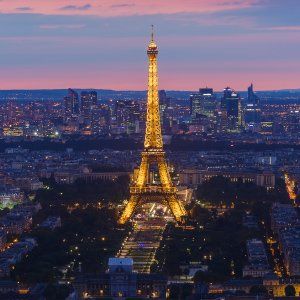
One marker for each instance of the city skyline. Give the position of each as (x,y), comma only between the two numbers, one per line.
(82,44)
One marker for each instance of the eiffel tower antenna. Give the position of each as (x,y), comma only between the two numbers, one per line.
(152,32)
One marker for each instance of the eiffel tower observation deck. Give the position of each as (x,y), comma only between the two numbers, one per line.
(141,191)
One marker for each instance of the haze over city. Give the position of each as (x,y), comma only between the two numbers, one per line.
(100,44)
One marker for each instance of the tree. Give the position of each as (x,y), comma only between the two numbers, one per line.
(200,214)
(186,291)
(218,191)
(57,292)
(210,276)
(174,292)
(258,290)
(290,291)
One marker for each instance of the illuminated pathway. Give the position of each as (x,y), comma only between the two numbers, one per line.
(142,243)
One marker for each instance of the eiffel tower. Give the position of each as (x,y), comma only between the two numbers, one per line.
(141,191)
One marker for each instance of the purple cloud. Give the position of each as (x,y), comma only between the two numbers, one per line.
(122,5)
(76,7)
(24,8)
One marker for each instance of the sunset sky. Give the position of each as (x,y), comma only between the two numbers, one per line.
(102,43)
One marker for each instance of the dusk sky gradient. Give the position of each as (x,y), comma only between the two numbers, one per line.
(102,43)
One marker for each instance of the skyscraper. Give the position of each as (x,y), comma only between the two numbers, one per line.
(252,97)
(208,102)
(231,111)
(88,99)
(252,109)
(71,104)
(203,103)
(195,105)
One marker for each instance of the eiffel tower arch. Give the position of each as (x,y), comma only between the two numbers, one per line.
(141,191)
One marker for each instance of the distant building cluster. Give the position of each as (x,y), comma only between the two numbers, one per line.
(231,114)
(213,114)
(84,114)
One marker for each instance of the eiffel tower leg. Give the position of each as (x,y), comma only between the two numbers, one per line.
(143,172)
(176,208)
(175,205)
(129,209)
(164,172)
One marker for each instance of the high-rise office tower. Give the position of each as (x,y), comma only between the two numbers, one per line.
(195,105)
(252,109)
(203,103)
(203,107)
(88,99)
(71,104)
(208,102)
(231,111)
(252,97)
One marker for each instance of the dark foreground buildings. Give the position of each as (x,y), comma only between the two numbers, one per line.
(120,281)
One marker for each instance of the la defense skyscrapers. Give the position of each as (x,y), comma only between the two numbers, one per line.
(88,100)
(231,111)
(252,111)
(203,103)
(71,104)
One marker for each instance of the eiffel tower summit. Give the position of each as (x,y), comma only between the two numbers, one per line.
(141,191)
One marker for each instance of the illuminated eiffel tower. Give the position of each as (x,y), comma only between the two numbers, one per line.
(141,191)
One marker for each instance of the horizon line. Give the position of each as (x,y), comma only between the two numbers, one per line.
(145,90)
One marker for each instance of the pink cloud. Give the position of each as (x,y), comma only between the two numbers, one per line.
(108,8)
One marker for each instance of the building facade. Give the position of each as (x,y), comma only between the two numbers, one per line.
(231,111)
(194,177)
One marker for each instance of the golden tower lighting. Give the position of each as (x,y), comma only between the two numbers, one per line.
(141,191)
